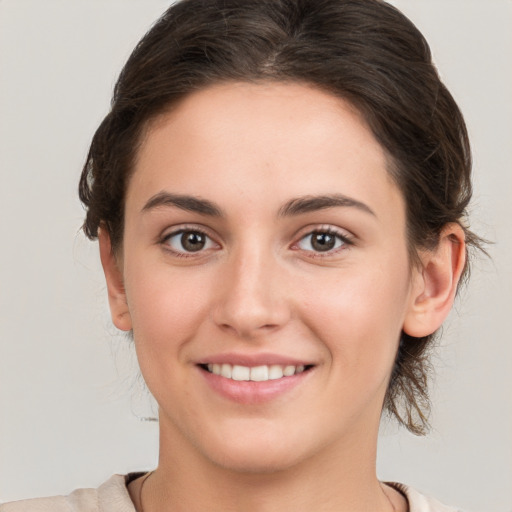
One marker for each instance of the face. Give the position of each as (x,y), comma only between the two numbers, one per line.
(264,241)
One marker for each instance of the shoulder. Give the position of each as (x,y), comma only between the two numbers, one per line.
(421,503)
(112,495)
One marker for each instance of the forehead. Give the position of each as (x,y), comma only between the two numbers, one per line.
(244,140)
(265,110)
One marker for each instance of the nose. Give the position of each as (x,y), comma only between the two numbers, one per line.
(252,298)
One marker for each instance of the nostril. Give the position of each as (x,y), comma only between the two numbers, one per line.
(250,314)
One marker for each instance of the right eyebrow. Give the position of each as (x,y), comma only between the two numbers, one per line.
(184,202)
(307,204)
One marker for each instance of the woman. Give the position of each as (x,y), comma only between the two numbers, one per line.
(279,194)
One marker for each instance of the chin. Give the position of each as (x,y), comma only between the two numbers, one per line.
(257,450)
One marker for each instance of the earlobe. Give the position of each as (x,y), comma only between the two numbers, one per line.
(435,284)
(115,284)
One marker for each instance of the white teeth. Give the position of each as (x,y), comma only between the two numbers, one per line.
(240,373)
(288,371)
(275,372)
(226,371)
(256,373)
(259,373)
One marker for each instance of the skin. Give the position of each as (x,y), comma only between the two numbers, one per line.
(260,287)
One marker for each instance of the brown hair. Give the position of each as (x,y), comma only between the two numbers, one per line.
(364,51)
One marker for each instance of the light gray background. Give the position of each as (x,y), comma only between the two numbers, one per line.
(69,399)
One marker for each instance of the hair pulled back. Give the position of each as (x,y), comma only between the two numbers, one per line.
(364,51)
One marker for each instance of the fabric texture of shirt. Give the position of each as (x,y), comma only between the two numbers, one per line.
(113,496)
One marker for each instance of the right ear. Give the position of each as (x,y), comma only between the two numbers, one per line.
(115,283)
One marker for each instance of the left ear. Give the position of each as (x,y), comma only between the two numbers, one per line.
(115,283)
(435,283)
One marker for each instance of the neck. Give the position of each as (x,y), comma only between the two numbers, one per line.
(340,478)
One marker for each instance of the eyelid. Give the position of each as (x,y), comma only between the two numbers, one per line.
(170,232)
(185,226)
(346,237)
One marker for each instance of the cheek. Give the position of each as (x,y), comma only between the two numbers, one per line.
(359,317)
(165,308)
(165,315)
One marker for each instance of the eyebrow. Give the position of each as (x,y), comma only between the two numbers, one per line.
(184,202)
(307,204)
(293,207)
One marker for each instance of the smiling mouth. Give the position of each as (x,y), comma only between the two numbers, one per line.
(260,373)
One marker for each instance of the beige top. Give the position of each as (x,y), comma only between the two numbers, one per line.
(113,496)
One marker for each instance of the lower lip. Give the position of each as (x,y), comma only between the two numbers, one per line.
(250,392)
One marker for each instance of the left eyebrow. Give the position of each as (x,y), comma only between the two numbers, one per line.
(307,204)
(184,202)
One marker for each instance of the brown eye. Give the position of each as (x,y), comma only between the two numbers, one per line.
(322,241)
(188,241)
(193,241)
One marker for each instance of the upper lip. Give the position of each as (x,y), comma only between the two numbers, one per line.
(254,360)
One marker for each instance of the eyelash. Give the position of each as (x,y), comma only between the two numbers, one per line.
(345,240)
(185,254)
